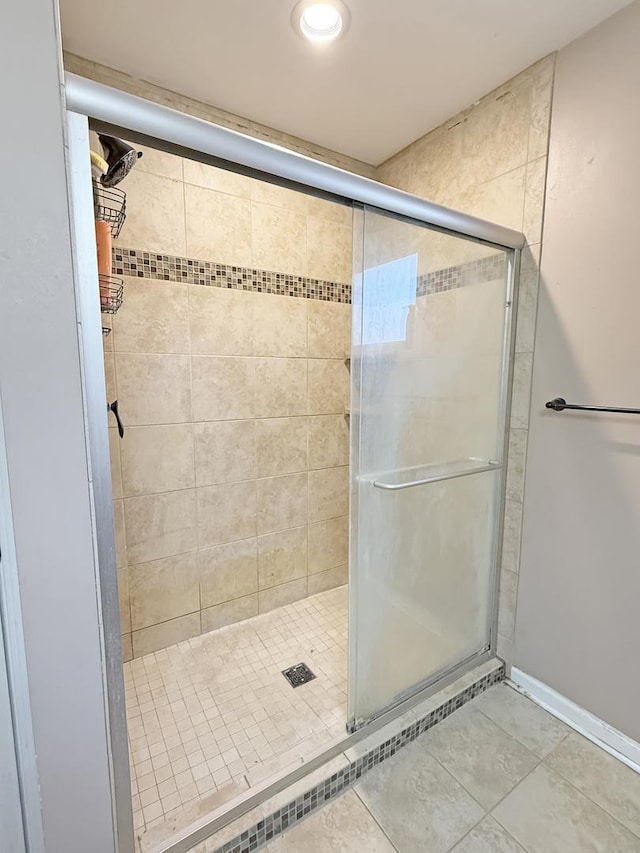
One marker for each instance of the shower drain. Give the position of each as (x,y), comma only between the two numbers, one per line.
(298,674)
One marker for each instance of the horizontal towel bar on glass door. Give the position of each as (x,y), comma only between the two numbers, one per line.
(473,466)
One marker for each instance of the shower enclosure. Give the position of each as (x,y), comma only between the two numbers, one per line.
(432,339)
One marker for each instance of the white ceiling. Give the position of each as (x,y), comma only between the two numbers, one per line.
(404,66)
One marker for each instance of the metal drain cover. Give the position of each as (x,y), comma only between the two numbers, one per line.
(298,674)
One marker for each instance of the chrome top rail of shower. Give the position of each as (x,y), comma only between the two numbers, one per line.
(559,404)
(471,466)
(229,149)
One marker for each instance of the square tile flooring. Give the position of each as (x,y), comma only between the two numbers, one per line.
(500,775)
(211,717)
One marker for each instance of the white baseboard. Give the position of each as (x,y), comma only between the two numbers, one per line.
(617,744)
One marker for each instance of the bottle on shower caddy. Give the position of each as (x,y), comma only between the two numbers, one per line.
(99,167)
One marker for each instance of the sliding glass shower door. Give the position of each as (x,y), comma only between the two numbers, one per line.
(431,341)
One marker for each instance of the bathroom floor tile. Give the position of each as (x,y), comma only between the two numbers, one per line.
(468,786)
(343,826)
(417,803)
(548,815)
(525,721)
(479,754)
(607,781)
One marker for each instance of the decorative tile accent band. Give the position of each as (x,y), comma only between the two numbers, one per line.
(136,263)
(473,272)
(285,817)
(140,264)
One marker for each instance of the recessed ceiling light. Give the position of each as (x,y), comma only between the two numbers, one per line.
(320,22)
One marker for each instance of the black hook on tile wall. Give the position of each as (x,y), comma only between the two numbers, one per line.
(113,407)
(559,404)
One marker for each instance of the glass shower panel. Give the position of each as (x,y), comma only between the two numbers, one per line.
(430,347)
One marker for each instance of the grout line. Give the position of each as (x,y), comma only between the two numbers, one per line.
(239,483)
(308,489)
(234,541)
(221,355)
(571,785)
(244,420)
(509,834)
(489,811)
(517,740)
(452,776)
(184,206)
(374,818)
(502,799)
(470,830)
(193,444)
(231,624)
(579,790)
(483,818)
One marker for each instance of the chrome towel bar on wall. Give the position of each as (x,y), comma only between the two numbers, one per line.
(559,404)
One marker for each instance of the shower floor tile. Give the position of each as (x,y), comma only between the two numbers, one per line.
(213,716)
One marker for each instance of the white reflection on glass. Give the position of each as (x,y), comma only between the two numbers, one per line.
(389,292)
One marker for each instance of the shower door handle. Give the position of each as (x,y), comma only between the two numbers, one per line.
(436,478)
(113,407)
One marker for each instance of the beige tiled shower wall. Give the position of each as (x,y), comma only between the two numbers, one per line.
(491,161)
(230,485)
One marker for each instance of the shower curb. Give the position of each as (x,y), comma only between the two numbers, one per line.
(291,813)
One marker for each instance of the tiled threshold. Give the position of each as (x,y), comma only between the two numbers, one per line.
(257,827)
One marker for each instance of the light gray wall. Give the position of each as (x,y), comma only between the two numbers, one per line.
(41,397)
(578,620)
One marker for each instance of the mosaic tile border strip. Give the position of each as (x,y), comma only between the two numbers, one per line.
(473,272)
(140,264)
(266,830)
